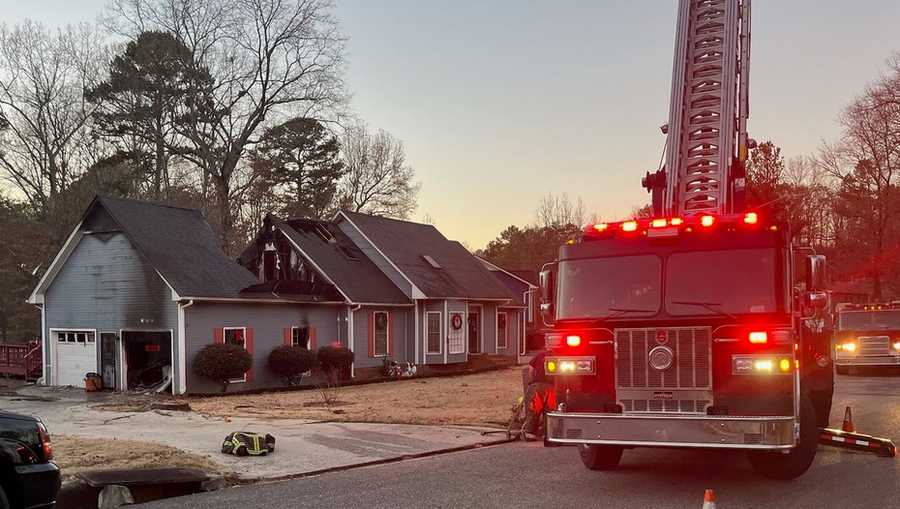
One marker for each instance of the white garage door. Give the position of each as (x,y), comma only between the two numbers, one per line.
(76,355)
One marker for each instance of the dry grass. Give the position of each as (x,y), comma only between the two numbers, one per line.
(480,399)
(76,455)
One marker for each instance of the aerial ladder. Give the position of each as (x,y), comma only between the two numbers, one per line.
(707,143)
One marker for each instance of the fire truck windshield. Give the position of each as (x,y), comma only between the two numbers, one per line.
(735,281)
(600,287)
(869,320)
(697,283)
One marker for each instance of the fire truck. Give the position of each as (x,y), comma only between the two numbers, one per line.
(704,326)
(867,335)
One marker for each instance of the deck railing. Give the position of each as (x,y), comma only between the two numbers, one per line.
(21,359)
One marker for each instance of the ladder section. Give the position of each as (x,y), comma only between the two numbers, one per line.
(708,108)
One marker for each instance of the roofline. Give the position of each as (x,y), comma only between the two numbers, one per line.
(415,289)
(37,297)
(508,273)
(287,301)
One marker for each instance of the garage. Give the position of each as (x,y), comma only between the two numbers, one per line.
(148,360)
(75,355)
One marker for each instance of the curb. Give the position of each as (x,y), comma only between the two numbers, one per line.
(313,473)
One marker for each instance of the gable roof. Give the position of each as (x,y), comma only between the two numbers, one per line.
(351,271)
(406,245)
(177,242)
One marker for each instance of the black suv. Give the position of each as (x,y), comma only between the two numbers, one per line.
(28,479)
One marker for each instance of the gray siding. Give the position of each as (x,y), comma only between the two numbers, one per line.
(400,343)
(380,261)
(106,285)
(514,326)
(268,322)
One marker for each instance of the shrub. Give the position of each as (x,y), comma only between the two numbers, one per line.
(291,362)
(222,363)
(334,359)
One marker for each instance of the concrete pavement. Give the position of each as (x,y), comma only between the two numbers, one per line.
(528,475)
(302,447)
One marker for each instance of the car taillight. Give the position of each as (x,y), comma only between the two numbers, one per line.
(573,340)
(46,446)
(758,337)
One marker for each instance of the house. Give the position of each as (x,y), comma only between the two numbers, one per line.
(520,283)
(138,289)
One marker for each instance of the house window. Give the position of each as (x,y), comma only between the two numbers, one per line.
(381,334)
(433,321)
(300,337)
(236,336)
(75,337)
(502,331)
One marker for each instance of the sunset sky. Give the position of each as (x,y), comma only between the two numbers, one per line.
(501,102)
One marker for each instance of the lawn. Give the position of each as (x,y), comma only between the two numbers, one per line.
(76,455)
(479,399)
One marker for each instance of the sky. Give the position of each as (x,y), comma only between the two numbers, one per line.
(500,102)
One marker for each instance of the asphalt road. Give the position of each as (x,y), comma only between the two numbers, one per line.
(528,475)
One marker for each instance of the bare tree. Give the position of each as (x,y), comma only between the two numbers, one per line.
(377,181)
(45,141)
(268,59)
(556,211)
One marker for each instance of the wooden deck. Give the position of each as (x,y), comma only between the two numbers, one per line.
(21,359)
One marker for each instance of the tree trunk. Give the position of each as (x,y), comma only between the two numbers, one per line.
(226,218)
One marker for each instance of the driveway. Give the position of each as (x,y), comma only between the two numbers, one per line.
(302,447)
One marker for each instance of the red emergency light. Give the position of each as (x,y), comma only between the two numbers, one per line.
(573,340)
(660,227)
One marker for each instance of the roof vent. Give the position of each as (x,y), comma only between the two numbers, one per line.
(432,262)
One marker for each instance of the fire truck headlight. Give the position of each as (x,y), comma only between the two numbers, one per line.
(761,365)
(570,366)
(897,346)
(846,347)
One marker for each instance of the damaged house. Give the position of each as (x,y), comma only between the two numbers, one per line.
(138,289)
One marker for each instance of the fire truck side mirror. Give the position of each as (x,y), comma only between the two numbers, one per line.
(816,300)
(548,287)
(815,273)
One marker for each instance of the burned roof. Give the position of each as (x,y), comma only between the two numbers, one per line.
(456,273)
(341,261)
(180,245)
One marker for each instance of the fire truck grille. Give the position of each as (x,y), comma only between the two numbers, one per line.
(874,345)
(682,387)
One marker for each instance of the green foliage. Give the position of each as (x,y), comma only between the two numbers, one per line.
(299,161)
(334,359)
(222,362)
(291,362)
(528,248)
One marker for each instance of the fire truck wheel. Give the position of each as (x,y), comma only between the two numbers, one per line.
(842,370)
(777,465)
(600,457)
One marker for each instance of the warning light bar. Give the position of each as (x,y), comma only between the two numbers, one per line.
(660,227)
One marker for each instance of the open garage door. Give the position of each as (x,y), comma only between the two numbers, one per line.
(75,355)
(148,359)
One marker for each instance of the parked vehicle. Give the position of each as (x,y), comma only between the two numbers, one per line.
(867,335)
(28,477)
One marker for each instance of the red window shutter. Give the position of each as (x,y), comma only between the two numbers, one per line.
(390,341)
(219,335)
(287,337)
(312,338)
(248,344)
(371,334)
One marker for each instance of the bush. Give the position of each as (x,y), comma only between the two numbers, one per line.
(290,362)
(334,359)
(222,363)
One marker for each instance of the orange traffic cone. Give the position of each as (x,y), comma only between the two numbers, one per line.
(848,421)
(709,499)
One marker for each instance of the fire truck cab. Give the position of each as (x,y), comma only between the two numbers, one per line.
(688,332)
(867,335)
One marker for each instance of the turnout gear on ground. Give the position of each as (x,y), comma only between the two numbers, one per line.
(247,443)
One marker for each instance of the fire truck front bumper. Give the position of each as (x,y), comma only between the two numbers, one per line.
(872,360)
(668,430)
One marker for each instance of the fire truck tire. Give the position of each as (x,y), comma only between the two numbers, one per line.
(842,370)
(600,457)
(781,466)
